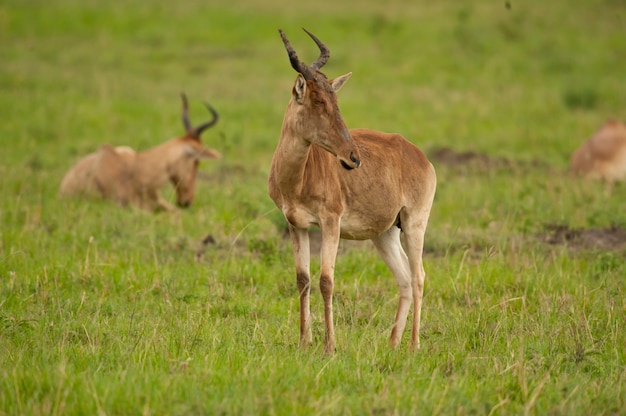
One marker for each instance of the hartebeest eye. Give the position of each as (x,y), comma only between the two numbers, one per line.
(320,102)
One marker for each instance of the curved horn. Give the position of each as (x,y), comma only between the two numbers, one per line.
(324,51)
(296,63)
(198,130)
(185,116)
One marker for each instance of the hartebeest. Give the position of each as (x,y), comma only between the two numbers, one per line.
(354,184)
(603,155)
(120,174)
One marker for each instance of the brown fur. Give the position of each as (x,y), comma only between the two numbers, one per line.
(354,184)
(126,177)
(603,155)
(106,173)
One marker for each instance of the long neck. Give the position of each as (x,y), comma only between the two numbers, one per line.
(290,158)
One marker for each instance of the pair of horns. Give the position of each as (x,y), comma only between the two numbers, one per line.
(196,131)
(306,71)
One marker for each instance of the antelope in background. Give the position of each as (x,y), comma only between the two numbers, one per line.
(603,155)
(129,177)
(354,184)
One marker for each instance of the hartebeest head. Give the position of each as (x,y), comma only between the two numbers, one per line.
(314,106)
(182,173)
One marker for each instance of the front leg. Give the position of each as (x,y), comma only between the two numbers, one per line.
(302,254)
(162,204)
(328,255)
(152,200)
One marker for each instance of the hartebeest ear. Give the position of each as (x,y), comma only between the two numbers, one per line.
(208,153)
(338,82)
(299,89)
(202,153)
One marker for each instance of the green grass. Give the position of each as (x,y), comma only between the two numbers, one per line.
(106,311)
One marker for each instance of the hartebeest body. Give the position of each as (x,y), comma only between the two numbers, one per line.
(603,155)
(129,177)
(354,184)
(106,173)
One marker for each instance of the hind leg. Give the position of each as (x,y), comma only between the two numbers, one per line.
(390,249)
(414,227)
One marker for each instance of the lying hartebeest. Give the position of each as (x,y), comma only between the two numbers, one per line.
(354,184)
(603,155)
(120,174)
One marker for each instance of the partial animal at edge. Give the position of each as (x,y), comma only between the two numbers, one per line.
(603,155)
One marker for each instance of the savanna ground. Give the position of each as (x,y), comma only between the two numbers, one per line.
(115,311)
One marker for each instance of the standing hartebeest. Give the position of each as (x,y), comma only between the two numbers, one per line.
(603,155)
(135,178)
(313,179)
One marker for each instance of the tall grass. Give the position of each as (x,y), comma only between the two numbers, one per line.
(112,311)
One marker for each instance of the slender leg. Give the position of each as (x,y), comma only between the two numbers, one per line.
(302,254)
(328,255)
(390,249)
(418,294)
(161,203)
(415,228)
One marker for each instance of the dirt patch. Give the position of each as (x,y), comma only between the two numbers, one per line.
(612,238)
(451,157)
(257,247)
(479,162)
(207,241)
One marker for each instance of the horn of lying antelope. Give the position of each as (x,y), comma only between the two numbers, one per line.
(186,121)
(300,66)
(197,131)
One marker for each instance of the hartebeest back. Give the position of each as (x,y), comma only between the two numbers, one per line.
(603,155)
(354,184)
(120,174)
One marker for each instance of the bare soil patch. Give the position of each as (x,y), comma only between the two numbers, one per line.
(612,238)
(241,245)
(479,162)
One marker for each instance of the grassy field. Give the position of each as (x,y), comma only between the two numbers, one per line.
(116,311)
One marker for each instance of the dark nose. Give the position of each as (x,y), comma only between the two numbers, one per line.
(355,159)
(184,204)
